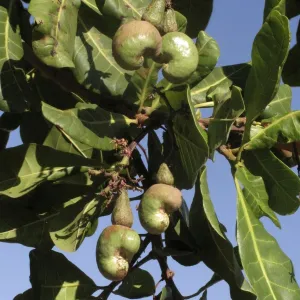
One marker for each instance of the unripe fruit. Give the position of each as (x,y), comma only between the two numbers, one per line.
(158,202)
(122,214)
(170,23)
(133,41)
(164,175)
(154,13)
(116,247)
(179,55)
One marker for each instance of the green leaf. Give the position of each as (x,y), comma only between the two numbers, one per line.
(204,296)
(283,194)
(255,193)
(269,53)
(58,141)
(217,252)
(141,85)
(120,9)
(137,284)
(280,105)
(179,238)
(224,76)
(55,30)
(93,4)
(155,153)
(267,267)
(95,67)
(21,225)
(226,109)
(58,97)
(271,5)
(285,129)
(69,228)
(166,293)
(208,205)
(89,124)
(292,8)
(24,167)
(27,295)
(10,121)
(291,70)
(54,277)
(12,81)
(4,137)
(209,52)
(181,22)
(191,140)
(197,12)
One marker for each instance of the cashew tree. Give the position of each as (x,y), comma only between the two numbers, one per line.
(109,97)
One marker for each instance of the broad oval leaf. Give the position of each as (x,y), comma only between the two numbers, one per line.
(285,129)
(120,9)
(208,204)
(21,225)
(166,293)
(227,107)
(197,12)
(54,277)
(269,270)
(89,124)
(27,295)
(291,70)
(141,85)
(137,284)
(274,4)
(209,52)
(224,76)
(255,193)
(58,141)
(69,228)
(280,105)
(191,140)
(24,167)
(12,79)
(217,252)
(95,67)
(55,30)
(269,53)
(283,194)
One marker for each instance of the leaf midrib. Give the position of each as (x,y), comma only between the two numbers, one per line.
(253,237)
(263,132)
(114,65)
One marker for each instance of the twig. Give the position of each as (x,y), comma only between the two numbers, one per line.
(144,260)
(227,153)
(167,274)
(144,151)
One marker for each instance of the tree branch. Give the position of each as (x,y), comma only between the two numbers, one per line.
(166,273)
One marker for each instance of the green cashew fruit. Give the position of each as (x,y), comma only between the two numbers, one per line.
(158,202)
(133,41)
(154,13)
(164,175)
(122,213)
(179,55)
(116,247)
(170,23)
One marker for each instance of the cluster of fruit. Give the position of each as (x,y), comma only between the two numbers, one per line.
(118,243)
(156,37)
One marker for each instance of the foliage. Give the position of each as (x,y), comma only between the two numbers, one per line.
(81,117)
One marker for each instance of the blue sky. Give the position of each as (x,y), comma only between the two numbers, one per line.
(234,24)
